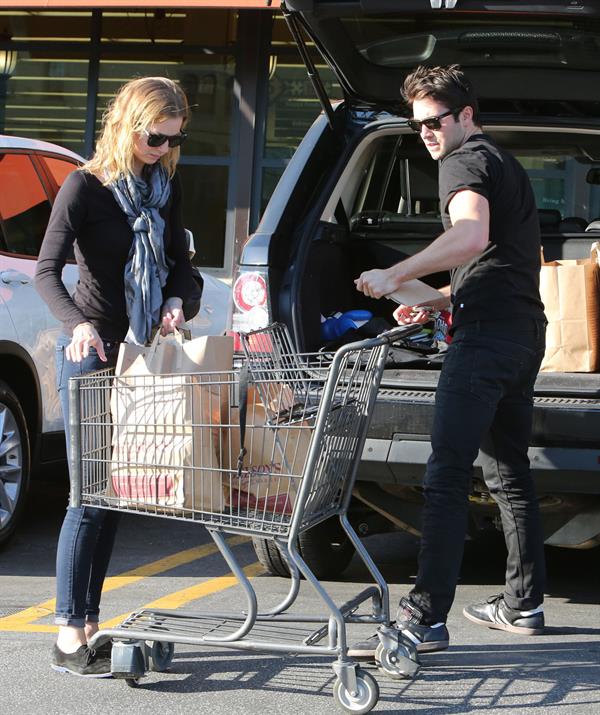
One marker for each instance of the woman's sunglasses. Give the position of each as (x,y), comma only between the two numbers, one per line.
(155,140)
(433,123)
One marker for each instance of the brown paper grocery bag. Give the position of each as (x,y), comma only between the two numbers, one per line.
(166,414)
(570,291)
(274,463)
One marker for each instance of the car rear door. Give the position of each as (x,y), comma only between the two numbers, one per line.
(545,52)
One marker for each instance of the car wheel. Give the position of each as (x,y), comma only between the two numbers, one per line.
(14,461)
(326,549)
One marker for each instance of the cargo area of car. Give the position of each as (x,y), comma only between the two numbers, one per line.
(385,208)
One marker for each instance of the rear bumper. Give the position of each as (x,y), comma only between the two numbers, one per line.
(555,469)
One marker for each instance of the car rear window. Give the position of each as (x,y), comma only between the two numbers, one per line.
(402,179)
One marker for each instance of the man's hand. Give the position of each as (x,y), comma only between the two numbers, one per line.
(376,283)
(84,337)
(172,315)
(407,315)
(421,313)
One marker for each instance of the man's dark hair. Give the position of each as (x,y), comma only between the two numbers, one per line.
(447,85)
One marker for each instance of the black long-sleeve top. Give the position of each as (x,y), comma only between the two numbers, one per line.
(86,217)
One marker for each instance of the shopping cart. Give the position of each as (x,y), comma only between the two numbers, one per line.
(268,450)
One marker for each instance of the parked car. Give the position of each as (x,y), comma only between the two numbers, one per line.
(31,426)
(361,192)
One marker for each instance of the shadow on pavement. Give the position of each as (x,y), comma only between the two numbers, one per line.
(514,678)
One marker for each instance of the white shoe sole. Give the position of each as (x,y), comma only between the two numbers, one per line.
(430,647)
(521,630)
(64,669)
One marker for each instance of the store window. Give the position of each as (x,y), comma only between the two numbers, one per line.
(43,88)
(205,210)
(292,106)
(170,27)
(48,26)
(207,80)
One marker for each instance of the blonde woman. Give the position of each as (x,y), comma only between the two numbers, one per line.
(121,212)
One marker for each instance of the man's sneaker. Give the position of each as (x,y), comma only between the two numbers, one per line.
(83,662)
(426,638)
(494,613)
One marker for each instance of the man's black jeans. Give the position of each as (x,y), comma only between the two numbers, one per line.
(484,400)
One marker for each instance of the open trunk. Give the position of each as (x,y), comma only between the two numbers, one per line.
(384,206)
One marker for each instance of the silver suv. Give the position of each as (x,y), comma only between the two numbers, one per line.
(361,192)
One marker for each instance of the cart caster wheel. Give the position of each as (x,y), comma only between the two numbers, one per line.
(400,664)
(161,655)
(133,682)
(364,700)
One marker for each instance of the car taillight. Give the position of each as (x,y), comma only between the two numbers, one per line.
(250,291)
(251,310)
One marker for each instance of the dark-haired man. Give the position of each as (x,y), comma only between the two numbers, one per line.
(484,398)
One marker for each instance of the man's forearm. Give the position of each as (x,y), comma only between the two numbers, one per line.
(453,248)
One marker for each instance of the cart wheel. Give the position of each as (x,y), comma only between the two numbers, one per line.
(133,682)
(400,664)
(161,655)
(365,699)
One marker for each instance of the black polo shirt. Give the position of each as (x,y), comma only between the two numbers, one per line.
(503,281)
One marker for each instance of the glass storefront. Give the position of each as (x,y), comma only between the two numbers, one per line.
(292,106)
(64,67)
(43,90)
(205,160)
(45,98)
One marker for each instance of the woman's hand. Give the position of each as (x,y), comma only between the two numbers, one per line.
(172,315)
(84,337)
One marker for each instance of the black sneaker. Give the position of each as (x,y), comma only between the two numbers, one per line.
(494,613)
(104,650)
(83,662)
(426,638)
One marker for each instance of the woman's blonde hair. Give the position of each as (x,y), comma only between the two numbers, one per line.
(138,105)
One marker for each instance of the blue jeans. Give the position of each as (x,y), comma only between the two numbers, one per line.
(87,534)
(484,401)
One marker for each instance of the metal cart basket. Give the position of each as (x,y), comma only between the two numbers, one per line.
(268,450)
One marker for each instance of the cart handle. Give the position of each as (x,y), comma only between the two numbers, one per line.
(400,332)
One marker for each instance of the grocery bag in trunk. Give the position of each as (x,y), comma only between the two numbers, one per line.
(167,404)
(570,290)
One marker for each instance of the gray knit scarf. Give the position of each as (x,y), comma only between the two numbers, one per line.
(147,267)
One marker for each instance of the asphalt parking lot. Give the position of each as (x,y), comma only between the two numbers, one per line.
(174,565)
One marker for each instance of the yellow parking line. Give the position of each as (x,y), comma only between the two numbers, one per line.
(24,620)
(200,590)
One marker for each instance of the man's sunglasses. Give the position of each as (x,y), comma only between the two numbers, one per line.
(433,123)
(156,140)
